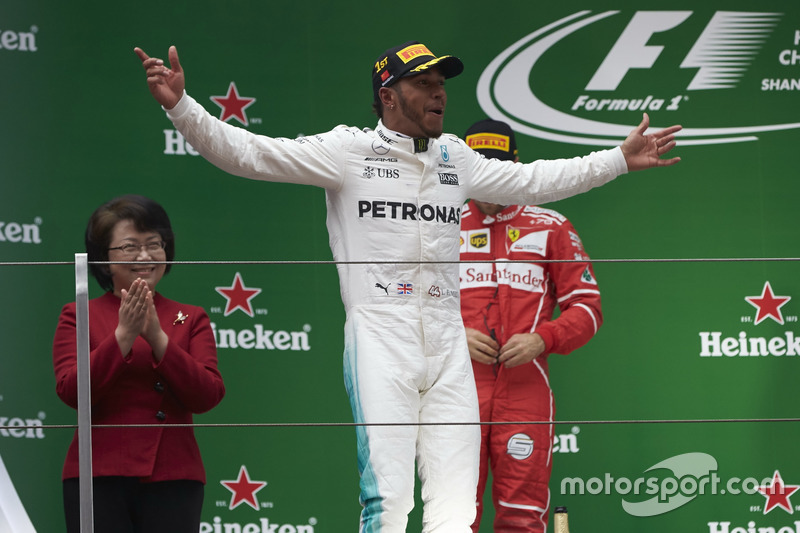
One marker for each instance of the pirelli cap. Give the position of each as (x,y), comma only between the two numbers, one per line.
(409,59)
(492,138)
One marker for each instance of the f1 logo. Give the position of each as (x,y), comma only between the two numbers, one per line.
(730,40)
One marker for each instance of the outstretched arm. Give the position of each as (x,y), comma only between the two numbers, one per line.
(644,151)
(166,84)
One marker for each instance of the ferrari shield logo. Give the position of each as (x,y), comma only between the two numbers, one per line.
(513,234)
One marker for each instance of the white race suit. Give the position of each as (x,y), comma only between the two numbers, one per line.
(395,203)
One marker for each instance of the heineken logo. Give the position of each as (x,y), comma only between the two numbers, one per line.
(767,305)
(20,41)
(233,106)
(21,232)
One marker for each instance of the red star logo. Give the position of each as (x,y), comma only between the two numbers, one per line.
(238,296)
(233,105)
(243,490)
(768,304)
(777,494)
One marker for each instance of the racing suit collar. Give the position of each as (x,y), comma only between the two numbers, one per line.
(412,144)
(506,214)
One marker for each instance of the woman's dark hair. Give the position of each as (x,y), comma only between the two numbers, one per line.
(146,214)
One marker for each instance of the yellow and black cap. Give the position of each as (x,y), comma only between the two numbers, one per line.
(410,59)
(492,138)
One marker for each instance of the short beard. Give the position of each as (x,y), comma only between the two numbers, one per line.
(415,117)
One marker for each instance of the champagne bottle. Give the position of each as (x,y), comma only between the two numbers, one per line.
(560,523)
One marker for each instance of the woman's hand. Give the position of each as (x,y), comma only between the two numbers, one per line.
(152,332)
(138,317)
(132,314)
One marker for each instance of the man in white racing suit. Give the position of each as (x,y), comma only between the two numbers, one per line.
(394,198)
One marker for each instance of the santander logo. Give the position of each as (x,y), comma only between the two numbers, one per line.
(637,75)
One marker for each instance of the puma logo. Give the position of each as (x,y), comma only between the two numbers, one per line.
(385,289)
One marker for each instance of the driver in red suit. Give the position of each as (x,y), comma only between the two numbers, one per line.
(507,309)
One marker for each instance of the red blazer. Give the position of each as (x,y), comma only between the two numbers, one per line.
(136,390)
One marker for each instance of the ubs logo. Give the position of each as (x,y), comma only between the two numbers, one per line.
(377,172)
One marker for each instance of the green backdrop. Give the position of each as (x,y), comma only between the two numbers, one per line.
(79,127)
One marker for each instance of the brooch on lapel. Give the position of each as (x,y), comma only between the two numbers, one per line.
(180,317)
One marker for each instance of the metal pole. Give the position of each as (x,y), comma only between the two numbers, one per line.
(84,393)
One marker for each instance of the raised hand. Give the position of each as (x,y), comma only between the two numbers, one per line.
(165,84)
(151,330)
(138,317)
(132,314)
(644,151)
